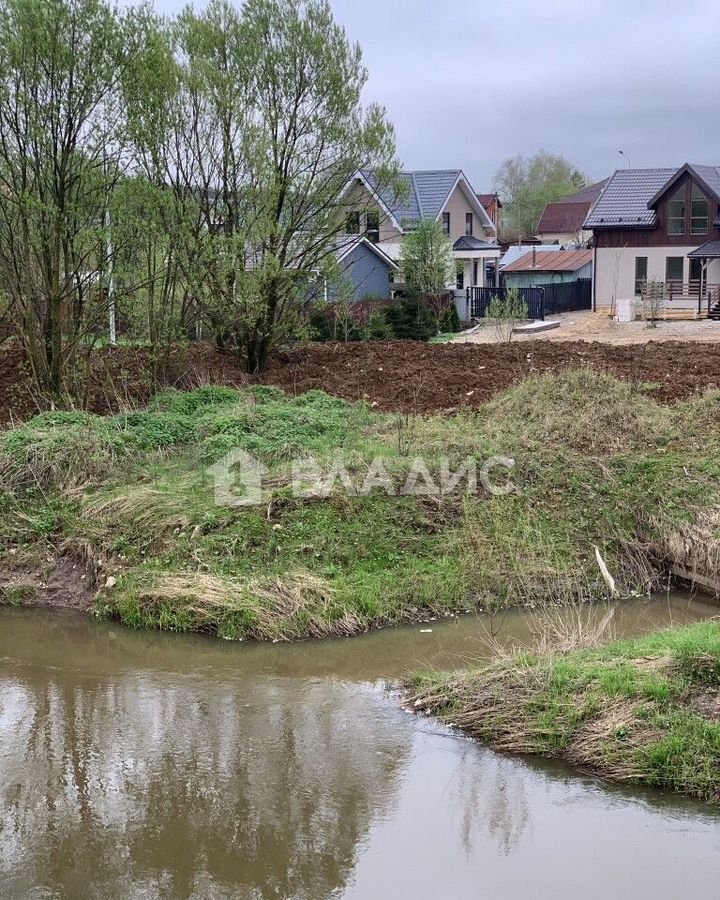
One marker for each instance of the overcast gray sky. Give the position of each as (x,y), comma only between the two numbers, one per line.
(468,83)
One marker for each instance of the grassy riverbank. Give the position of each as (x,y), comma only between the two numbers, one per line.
(645,711)
(129,501)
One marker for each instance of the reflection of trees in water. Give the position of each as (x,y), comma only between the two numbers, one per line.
(146,786)
(490,797)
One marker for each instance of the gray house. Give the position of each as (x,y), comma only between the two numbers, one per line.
(365,272)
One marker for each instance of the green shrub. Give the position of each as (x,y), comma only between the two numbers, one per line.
(59,418)
(154,430)
(410,320)
(190,402)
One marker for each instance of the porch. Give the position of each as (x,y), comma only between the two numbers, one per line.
(477,267)
(689,300)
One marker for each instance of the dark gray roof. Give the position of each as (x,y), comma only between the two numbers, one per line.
(711,250)
(624,202)
(425,195)
(707,176)
(710,175)
(470,242)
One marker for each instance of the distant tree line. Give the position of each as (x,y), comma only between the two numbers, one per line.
(526,185)
(159,176)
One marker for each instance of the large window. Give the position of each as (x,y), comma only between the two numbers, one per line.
(468,223)
(640,274)
(446,223)
(674,267)
(676,212)
(372,229)
(352,223)
(699,212)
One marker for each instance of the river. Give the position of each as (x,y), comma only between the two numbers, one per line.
(147,765)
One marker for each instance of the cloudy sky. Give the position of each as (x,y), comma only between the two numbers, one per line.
(470,83)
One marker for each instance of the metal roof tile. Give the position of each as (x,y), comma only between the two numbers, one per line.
(624,201)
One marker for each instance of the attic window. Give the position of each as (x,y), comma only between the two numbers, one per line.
(372,229)
(676,212)
(699,212)
(446,223)
(352,223)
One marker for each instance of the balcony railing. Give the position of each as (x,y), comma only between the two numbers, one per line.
(702,297)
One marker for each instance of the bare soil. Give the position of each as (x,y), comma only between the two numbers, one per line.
(62,584)
(390,375)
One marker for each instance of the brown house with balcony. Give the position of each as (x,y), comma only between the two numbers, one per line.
(659,225)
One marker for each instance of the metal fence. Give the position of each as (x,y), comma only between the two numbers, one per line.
(571,296)
(479,299)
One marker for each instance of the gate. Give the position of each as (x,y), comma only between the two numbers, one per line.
(478,300)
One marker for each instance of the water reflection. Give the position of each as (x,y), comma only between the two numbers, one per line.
(144,766)
(264,789)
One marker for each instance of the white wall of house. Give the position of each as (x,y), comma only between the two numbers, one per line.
(458,206)
(360,199)
(615,270)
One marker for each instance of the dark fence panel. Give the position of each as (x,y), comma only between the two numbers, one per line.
(480,298)
(570,297)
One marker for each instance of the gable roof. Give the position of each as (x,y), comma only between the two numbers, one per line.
(624,202)
(631,194)
(707,176)
(425,197)
(489,199)
(569,213)
(548,261)
(345,246)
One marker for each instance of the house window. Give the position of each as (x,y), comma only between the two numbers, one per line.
(475,272)
(372,229)
(446,223)
(468,223)
(640,273)
(676,212)
(460,281)
(352,223)
(699,212)
(674,269)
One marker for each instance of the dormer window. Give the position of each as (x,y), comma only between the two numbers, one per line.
(699,212)
(676,212)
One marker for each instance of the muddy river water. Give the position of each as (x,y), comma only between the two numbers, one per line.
(145,765)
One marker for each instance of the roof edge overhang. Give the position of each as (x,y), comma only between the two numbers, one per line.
(471,197)
(685,169)
(359,176)
(701,252)
(375,249)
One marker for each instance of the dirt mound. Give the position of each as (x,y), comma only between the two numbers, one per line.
(392,375)
(408,375)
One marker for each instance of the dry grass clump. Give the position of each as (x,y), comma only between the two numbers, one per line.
(627,711)
(579,410)
(282,609)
